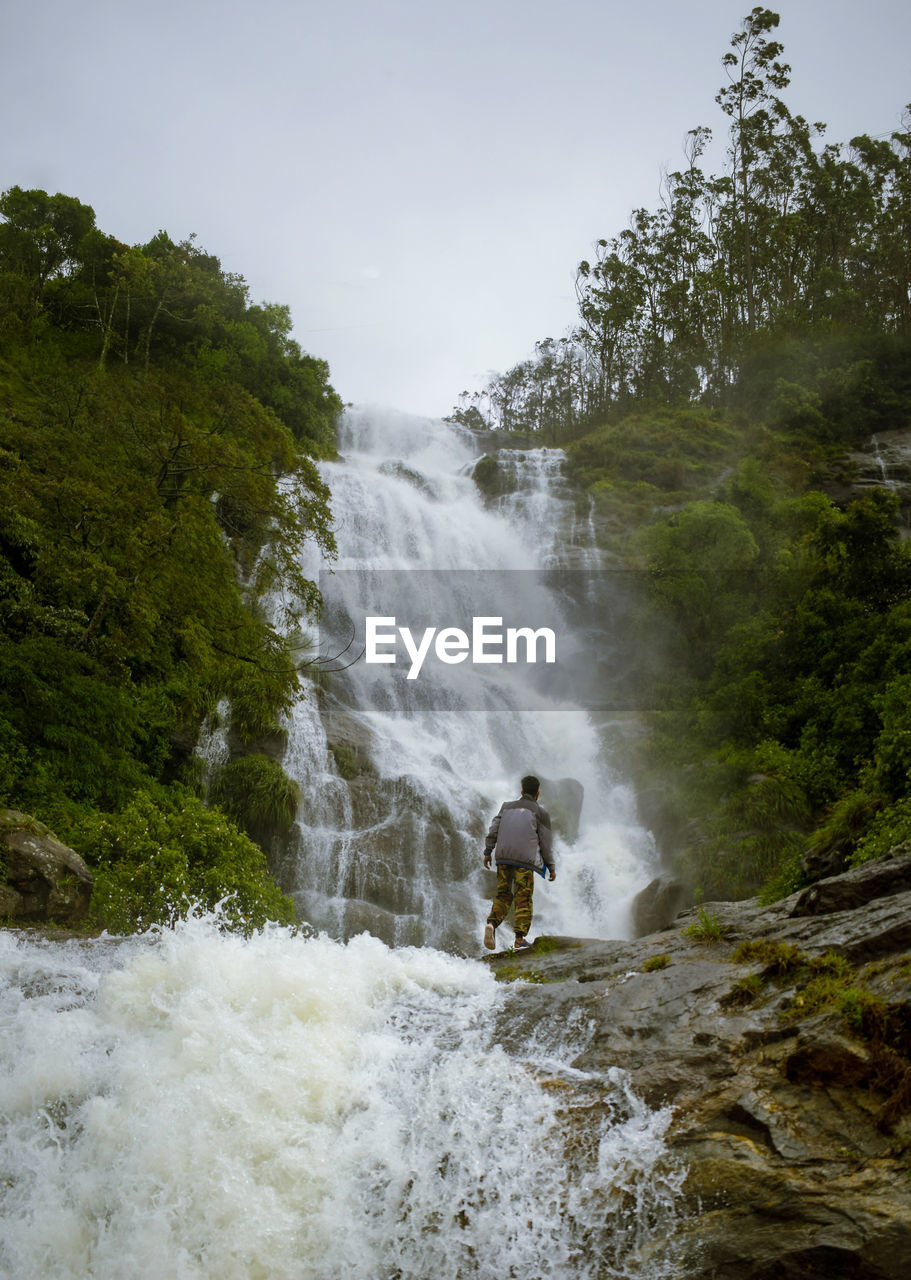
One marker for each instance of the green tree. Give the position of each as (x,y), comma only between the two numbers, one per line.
(41,236)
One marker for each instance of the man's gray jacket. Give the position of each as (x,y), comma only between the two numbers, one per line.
(521,835)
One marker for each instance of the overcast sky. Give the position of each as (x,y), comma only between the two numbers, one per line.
(416,180)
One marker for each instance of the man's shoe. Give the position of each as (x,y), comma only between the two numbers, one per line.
(489,940)
(522,944)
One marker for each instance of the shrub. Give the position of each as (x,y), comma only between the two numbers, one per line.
(777,958)
(154,862)
(255,791)
(890,828)
(744,991)
(707,928)
(346,759)
(490,477)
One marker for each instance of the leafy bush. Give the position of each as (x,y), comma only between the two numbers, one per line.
(707,927)
(490,477)
(346,759)
(256,792)
(157,482)
(777,958)
(155,861)
(888,830)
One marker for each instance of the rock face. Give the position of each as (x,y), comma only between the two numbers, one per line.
(786,1061)
(884,462)
(562,798)
(40,878)
(655,906)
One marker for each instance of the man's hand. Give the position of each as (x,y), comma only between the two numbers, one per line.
(487,858)
(552,876)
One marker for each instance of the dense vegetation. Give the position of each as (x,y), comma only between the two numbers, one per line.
(733,346)
(793,238)
(157,436)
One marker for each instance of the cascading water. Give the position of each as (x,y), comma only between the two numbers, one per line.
(193,1104)
(400,778)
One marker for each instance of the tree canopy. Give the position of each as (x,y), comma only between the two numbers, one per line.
(157,485)
(733,345)
(794,237)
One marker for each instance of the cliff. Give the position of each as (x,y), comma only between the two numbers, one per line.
(781,1038)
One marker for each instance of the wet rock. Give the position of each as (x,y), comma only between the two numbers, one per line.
(855,888)
(883,463)
(40,878)
(344,724)
(491,478)
(655,906)
(401,471)
(562,798)
(824,1056)
(792,1128)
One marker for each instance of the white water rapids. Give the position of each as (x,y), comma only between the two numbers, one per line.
(193,1105)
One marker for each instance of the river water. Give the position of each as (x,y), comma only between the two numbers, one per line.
(191,1104)
(333,1104)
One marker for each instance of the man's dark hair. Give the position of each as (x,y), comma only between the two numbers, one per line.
(530,785)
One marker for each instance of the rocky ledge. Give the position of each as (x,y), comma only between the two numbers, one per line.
(780,1036)
(40,878)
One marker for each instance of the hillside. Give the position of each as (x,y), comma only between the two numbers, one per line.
(157,483)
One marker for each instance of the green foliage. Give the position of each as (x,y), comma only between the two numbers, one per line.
(844,824)
(829,982)
(544,945)
(819,985)
(489,476)
(256,792)
(777,958)
(157,481)
(656,962)
(820,982)
(791,239)
(345,755)
(515,973)
(649,460)
(707,927)
(730,346)
(791,691)
(157,859)
(470,417)
(889,830)
(743,992)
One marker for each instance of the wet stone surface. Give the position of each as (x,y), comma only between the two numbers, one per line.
(788,1114)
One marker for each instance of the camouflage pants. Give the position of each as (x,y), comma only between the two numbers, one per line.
(514,884)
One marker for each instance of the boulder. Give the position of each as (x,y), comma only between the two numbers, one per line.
(562,798)
(655,906)
(791,1109)
(492,479)
(41,878)
(857,887)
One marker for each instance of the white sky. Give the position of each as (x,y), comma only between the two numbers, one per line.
(417,181)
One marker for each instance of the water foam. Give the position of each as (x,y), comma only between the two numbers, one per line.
(192,1104)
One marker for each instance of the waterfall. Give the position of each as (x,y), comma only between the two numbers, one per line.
(190,1104)
(303,1105)
(401,777)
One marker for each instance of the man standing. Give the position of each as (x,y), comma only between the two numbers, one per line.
(521,835)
